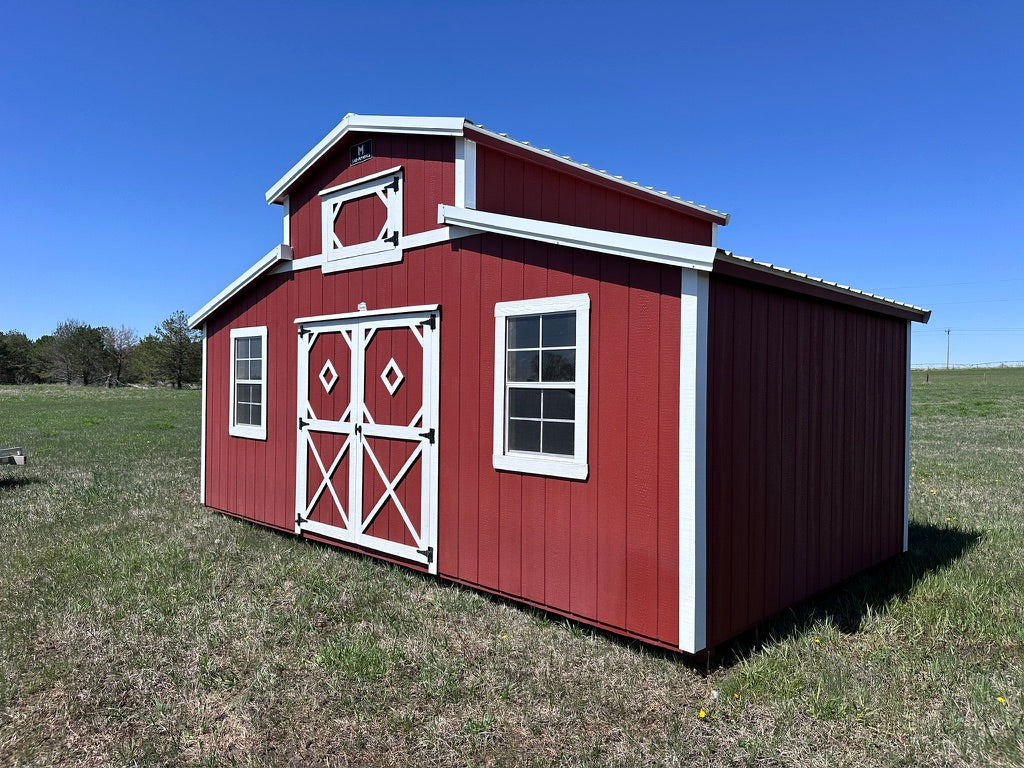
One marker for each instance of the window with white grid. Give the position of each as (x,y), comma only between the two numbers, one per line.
(249,382)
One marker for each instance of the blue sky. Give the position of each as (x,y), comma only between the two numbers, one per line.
(876,144)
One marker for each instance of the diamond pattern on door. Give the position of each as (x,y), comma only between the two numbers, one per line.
(328,376)
(392,376)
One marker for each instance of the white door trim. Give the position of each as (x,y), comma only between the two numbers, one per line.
(358,330)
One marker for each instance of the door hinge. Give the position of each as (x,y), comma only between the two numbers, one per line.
(303,423)
(393,185)
(427,553)
(304,332)
(393,239)
(430,322)
(429,434)
(359,429)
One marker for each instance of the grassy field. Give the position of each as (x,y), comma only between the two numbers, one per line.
(137,628)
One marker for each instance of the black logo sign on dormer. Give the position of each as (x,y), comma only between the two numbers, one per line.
(361,152)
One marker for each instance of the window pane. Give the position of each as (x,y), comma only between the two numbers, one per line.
(524,403)
(523,435)
(242,369)
(559,437)
(559,404)
(254,415)
(241,348)
(255,346)
(523,366)
(559,365)
(255,369)
(241,413)
(523,332)
(560,330)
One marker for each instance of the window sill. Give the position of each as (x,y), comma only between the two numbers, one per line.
(542,465)
(253,433)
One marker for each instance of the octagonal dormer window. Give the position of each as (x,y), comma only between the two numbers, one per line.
(362,221)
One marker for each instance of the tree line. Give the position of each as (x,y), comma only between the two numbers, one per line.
(76,353)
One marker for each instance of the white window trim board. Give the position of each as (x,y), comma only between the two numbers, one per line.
(906,452)
(671,252)
(355,183)
(375,251)
(248,430)
(205,391)
(693,388)
(281,253)
(576,467)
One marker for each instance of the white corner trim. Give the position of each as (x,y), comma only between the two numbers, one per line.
(572,467)
(693,387)
(280,253)
(429,126)
(678,254)
(203,391)
(248,430)
(465,173)
(906,454)
(286,237)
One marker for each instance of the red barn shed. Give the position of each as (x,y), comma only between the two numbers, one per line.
(495,364)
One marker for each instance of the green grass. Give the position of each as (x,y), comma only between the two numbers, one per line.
(137,628)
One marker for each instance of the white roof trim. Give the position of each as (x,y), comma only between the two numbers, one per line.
(279,254)
(678,254)
(431,126)
(455,126)
(828,284)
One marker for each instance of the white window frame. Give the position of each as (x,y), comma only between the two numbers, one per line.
(388,186)
(574,467)
(249,430)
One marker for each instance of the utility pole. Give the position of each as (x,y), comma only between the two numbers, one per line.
(947,348)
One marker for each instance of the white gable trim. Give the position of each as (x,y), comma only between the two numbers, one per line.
(677,254)
(693,389)
(279,254)
(430,126)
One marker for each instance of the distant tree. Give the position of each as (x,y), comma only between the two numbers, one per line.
(145,364)
(16,360)
(42,357)
(180,351)
(118,343)
(62,366)
(77,353)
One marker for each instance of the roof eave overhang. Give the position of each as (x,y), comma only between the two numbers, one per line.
(257,270)
(731,265)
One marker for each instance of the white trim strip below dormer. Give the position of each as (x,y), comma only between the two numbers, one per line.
(699,257)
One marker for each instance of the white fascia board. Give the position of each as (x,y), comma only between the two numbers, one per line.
(429,126)
(279,254)
(699,257)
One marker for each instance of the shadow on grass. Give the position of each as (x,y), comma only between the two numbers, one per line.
(8,483)
(846,605)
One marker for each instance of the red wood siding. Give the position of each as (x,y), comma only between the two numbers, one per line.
(806,410)
(429,179)
(604,550)
(516,185)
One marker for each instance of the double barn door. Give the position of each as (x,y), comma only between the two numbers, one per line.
(367,431)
